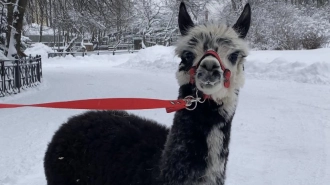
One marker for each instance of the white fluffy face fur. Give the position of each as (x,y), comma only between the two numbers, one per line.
(209,79)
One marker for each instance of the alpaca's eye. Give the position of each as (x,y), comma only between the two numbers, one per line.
(188,56)
(233,57)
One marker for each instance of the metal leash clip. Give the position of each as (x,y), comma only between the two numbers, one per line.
(192,100)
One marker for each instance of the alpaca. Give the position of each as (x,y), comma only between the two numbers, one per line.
(118,148)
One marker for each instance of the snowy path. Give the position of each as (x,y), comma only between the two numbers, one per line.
(280,134)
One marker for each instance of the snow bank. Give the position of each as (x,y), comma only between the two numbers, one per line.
(38,49)
(105,61)
(306,66)
(157,58)
(281,69)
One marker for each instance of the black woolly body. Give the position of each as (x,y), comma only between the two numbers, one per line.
(105,148)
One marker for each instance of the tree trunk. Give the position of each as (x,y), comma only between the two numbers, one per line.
(40,31)
(46,13)
(19,26)
(10,14)
(50,14)
(15,12)
(42,8)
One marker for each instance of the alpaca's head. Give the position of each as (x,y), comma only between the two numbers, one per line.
(227,42)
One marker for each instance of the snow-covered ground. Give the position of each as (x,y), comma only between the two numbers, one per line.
(280,133)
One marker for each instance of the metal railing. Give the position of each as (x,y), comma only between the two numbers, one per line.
(19,74)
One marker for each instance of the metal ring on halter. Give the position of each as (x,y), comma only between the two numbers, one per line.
(199,99)
(190,100)
(190,103)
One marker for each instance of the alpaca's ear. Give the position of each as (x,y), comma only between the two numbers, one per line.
(243,23)
(185,22)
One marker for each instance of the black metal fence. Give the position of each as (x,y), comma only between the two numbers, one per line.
(19,74)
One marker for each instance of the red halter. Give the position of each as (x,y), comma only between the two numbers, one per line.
(226,72)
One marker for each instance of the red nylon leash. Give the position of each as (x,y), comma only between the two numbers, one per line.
(109,104)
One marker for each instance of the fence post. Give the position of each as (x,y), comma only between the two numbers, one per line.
(38,60)
(17,77)
(3,76)
(40,66)
(25,69)
(33,68)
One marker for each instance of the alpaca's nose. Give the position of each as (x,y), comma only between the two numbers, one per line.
(210,64)
(209,70)
(209,77)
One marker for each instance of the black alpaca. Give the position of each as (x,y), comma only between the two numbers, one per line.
(117,148)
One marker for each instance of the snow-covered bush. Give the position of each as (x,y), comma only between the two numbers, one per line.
(283,26)
(38,49)
(312,40)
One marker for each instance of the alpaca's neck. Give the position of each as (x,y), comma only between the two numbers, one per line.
(196,150)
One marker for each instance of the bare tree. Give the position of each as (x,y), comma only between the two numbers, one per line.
(97,18)
(42,6)
(148,12)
